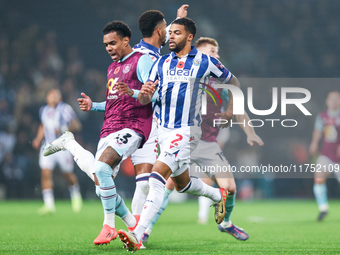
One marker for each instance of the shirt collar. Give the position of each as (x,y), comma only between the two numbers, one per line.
(121,60)
(149,46)
(193,52)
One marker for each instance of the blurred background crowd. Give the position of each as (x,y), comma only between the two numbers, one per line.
(47,44)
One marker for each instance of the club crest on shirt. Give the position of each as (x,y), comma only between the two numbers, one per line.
(197,62)
(127,68)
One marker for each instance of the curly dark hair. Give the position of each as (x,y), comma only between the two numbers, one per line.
(188,24)
(119,27)
(148,22)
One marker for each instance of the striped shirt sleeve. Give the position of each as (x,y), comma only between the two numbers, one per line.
(153,76)
(219,71)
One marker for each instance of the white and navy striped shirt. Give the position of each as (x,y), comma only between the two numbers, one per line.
(148,49)
(56,120)
(180,93)
(154,53)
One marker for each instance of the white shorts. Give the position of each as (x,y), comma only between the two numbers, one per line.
(176,145)
(324,163)
(63,158)
(124,142)
(208,159)
(149,152)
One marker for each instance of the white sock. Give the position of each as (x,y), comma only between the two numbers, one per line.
(141,193)
(148,231)
(129,220)
(84,159)
(204,204)
(152,204)
(74,190)
(226,224)
(198,188)
(320,193)
(48,198)
(109,219)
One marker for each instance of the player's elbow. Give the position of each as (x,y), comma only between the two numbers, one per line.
(234,81)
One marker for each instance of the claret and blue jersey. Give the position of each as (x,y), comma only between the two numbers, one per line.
(179,93)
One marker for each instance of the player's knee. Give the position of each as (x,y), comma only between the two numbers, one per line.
(319,180)
(156,182)
(71,177)
(102,170)
(232,189)
(170,185)
(181,187)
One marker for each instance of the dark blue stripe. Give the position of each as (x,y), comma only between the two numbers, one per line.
(156,176)
(167,104)
(146,178)
(160,67)
(181,93)
(168,94)
(195,90)
(160,84)
(186,188)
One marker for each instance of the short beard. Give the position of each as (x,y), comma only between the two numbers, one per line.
(180,46)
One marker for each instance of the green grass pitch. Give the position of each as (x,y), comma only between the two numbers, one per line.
(274,226)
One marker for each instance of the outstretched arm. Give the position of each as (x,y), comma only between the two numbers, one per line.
(228,114)
(250,132)
(86,104)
